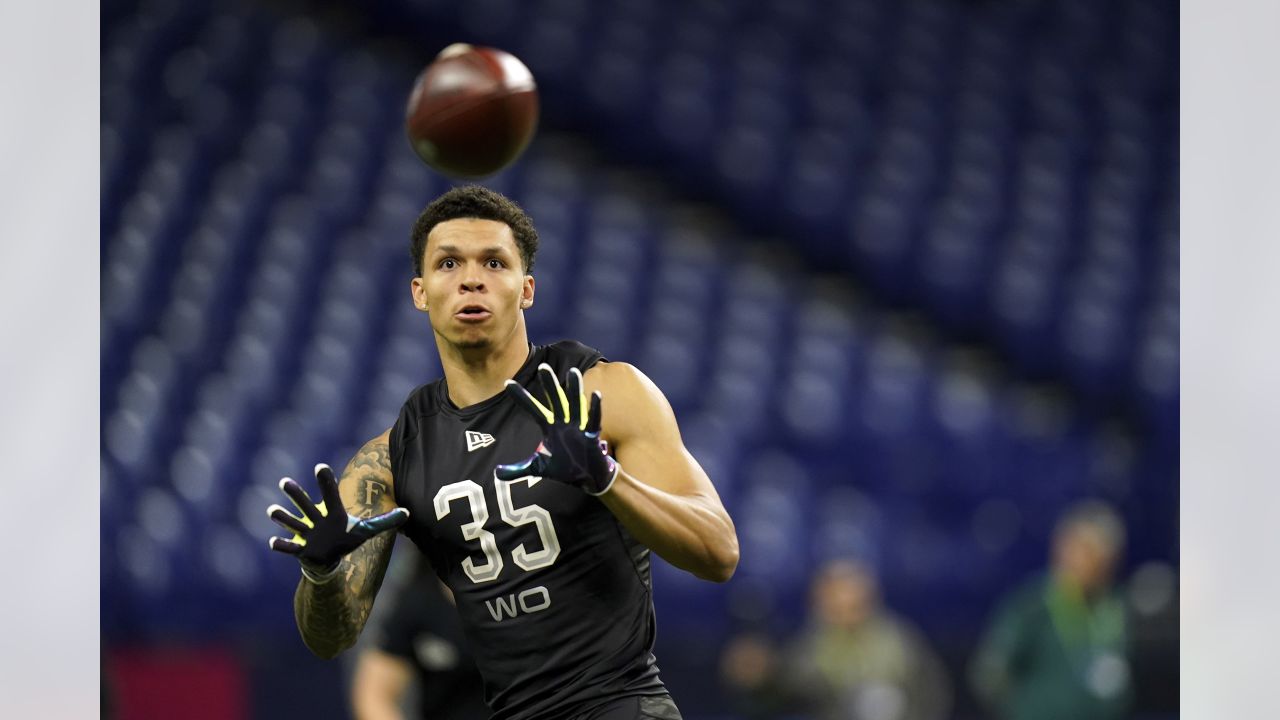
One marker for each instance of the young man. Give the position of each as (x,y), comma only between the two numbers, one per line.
(536,502)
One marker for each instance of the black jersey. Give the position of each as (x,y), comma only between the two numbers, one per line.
(553,593)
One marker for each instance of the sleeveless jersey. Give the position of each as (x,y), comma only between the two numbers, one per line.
(553,593)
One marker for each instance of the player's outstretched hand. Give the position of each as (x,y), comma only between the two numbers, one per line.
(322,538)
(573,452)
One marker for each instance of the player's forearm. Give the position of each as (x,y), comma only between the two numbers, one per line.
(691,533)
(327,616)
(331,615)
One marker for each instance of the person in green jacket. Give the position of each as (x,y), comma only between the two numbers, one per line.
(1057,647)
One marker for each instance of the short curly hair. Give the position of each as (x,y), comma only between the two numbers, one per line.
(474,201)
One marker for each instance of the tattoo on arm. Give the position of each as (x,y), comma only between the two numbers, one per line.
(370,489)
(368,470)
(331,616)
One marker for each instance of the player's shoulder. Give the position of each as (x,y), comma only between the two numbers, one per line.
(564,354)
(618,376)
(424,399)
(633,402)
(621,380)
(623,383)
(422,403)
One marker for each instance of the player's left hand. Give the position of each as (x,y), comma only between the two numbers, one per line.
(572,449)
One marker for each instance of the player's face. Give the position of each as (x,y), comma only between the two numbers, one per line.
(473,284)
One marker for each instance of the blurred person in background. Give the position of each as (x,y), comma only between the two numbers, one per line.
(413,660)
(535,504)
(855,661)
(1058,647)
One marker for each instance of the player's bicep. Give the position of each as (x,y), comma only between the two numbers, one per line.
(366,490)
(366,484)
(641,426)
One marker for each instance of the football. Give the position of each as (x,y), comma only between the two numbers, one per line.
(472,111)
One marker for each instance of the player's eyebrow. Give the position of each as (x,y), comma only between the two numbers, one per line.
(454,250)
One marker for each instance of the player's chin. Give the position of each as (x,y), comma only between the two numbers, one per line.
(472,341)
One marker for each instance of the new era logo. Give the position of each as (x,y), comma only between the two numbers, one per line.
(477,440)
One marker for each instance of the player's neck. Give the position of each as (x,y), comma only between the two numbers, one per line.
(474,375)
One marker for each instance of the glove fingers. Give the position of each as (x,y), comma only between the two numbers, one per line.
(384,522)
(328,486)
(556,398)
(301,500)
(529,404)
(546,385)
(285,546)
(593,415)
(287,520)
(576,403)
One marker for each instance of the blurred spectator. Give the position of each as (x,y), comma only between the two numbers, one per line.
(1058,647)
(855,661)
(416,663)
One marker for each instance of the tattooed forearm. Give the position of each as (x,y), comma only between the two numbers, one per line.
(330,616)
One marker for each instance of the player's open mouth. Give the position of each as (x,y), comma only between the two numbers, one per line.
(473,313)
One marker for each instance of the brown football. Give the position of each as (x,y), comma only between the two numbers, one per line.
(472,112)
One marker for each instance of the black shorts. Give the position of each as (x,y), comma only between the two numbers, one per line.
(645,707)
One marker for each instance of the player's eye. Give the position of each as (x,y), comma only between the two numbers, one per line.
(495,264)
(448,264)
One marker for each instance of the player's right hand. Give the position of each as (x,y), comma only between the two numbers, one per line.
(571,450)
(322,538)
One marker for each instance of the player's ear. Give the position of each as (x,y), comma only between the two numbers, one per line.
(526,293)
(419,291)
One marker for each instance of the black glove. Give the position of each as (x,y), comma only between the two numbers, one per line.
(321,538)
(571,451)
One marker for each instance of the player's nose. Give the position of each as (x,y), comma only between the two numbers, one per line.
(471,282)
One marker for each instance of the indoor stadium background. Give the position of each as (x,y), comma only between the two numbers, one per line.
(907,271)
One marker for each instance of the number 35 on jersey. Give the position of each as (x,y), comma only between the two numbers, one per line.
(531,514)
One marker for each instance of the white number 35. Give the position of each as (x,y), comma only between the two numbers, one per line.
(470,491)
